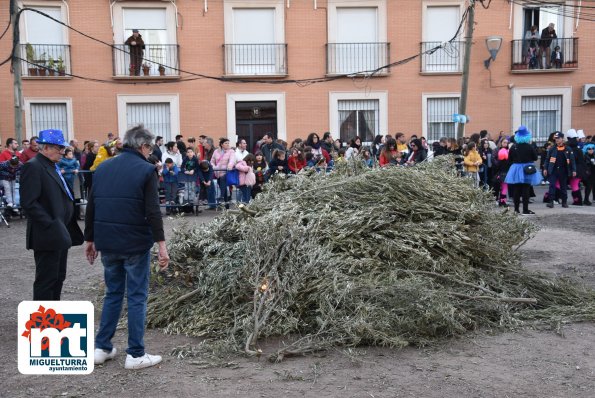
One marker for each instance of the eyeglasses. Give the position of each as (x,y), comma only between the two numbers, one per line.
(58,147)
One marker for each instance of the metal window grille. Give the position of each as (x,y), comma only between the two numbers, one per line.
(542,115)
(359,118)
(439,114)
(49,116)
(154,116)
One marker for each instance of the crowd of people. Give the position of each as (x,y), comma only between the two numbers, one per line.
(196,173)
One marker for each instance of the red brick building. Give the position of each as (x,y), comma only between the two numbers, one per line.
(270,42)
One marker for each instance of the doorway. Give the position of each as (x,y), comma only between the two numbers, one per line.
(254,120)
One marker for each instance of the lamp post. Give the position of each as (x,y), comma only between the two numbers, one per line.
(493,43)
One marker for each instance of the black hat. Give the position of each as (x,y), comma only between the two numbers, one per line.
(134,30)
(558,134)
(14,160)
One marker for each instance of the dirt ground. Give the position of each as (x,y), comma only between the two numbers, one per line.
(525,363)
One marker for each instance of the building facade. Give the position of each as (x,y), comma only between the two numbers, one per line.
(244,68)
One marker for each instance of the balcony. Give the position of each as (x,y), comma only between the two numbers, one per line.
(527,58)
(255,60)
(446,59)
(357,58)
(47,61)
(159,61)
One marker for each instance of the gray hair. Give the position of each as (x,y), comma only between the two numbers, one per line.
(138,136)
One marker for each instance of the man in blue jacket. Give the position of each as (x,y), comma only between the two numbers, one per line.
(122,222)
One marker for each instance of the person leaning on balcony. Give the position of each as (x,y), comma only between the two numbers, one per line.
(136,45)
(530,49)
(547,35)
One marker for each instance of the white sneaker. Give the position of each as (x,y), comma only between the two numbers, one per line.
(101,355)
(145,361)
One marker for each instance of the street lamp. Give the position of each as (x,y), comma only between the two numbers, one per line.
(493,44)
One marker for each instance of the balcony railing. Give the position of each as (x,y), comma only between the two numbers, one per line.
(45,60)
(448,58)
(536,55)
(156,60)
(255,59)
(348,58)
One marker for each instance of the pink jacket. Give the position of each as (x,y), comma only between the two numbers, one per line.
(247,176)
(223,160)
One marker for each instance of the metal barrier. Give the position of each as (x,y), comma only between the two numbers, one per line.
(536,54)
(448,58)
(156,60)
(255,59)
(347,58)
(45,60)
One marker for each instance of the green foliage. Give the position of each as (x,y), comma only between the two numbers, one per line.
(388,257)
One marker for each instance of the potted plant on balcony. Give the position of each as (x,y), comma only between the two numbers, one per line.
(30,52)
(146,69)
(51,66)
(161,70)
(41,68)
(60,67)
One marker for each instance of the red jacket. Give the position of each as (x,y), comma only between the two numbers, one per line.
(6,155)
(295,164)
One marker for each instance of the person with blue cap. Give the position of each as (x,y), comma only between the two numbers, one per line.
(560,166)
(522,173)
(52,227)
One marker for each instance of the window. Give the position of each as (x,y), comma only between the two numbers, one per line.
(527,52)
(50,113)
(544,110)
(157,27)
(358,114)
(440,25)
(439,118)
(542,115)
(254,38)
(45,41)
(363,49)
(358,118)
(158,113)
(540,14)
(155,117)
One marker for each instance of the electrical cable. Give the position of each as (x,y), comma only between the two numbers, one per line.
(197,76)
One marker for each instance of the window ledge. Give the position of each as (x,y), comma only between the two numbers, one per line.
(379,74)
(145,78)
(440,73)
(540,71)
(49,78)
(240,76)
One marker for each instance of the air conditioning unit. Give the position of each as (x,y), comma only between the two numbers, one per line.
(589,92)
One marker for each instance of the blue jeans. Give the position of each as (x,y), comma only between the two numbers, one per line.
(124,274)
(245,193)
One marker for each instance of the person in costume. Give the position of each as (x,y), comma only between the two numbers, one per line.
(575,182)
(560,167)
(522,172)
(589,181)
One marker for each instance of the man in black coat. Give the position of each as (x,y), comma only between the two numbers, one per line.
(136,45)
(51,222)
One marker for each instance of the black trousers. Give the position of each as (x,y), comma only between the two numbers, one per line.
(523,190)
(50,273)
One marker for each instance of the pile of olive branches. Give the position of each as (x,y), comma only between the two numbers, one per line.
(390,257)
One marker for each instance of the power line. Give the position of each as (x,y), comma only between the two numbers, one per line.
(197,76)
(547,8)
